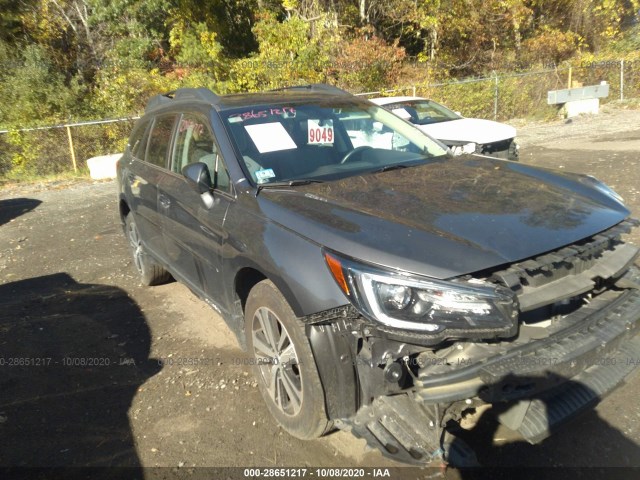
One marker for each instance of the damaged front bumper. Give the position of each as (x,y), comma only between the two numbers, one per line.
(577,340)
(535,387)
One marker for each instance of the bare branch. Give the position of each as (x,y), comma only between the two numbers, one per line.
(64,14)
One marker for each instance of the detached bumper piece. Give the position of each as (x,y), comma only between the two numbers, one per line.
(543,415)
(409,432)
(400,428)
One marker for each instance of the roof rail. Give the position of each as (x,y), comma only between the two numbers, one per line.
(203,94)
(315,87)
(158,100)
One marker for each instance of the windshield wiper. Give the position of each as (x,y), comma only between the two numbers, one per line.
(388,168)
(287,183)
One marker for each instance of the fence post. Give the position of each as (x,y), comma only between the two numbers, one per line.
(622,79)
(72,150)
(414,90)
(495,97)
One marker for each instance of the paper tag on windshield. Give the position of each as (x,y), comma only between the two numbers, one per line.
(320,134)
(264,175)
(270,137)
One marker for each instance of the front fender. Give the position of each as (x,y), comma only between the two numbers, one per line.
(293,263)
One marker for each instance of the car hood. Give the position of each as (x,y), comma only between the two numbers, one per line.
(446,218)
(469,130)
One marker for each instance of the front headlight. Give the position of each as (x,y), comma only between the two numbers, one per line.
(409,302)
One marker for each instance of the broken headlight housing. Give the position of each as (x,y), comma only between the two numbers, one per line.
(409,302)
(462,148)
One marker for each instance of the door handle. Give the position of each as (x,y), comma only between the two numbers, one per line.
(164,201)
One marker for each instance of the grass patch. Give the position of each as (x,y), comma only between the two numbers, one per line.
(68,177)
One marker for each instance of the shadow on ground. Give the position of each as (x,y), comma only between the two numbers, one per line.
(72,358)
(14,207)
(580,445)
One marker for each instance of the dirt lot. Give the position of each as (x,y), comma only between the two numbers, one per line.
(119,374)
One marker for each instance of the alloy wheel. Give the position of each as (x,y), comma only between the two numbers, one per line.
(277,361)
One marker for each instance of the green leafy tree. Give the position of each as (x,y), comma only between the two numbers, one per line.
(288,54)
(231,21)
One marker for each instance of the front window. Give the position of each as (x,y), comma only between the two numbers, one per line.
(195,143)
(422,112)
(324,141)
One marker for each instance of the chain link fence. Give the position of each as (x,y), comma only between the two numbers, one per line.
(524,95)
(61,148)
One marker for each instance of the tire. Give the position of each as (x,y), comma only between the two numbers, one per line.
(514,152)
(291,386)
(151,273)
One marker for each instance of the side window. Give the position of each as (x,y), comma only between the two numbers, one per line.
(159,140)
(195,143)
(138,139)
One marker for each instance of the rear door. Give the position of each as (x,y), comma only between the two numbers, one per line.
(193,233)
(147,169)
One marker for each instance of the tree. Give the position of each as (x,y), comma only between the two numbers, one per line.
(367,62)
(288,53)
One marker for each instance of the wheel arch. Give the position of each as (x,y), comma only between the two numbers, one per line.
(251,274)
(331,350)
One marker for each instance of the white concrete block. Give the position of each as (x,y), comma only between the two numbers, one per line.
(579,107)
(103,166)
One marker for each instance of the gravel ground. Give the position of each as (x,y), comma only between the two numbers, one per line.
(124,375)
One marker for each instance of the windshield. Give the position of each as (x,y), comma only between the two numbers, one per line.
(422,112)
(324,141)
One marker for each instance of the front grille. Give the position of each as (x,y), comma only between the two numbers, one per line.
(570,271)
(496,147)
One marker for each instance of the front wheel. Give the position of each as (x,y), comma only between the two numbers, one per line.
(283,363)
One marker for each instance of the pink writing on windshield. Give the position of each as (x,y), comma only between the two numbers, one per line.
(283,111)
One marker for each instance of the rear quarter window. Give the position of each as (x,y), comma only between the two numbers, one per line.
(138,139)
(160,140)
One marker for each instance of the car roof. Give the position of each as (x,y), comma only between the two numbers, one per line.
(228,102)
(315,93)
(388,100)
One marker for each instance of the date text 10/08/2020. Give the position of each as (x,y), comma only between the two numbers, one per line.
(317,472)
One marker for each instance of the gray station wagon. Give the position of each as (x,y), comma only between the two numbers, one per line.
(379,284)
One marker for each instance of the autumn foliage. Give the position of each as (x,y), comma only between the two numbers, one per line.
(65,60)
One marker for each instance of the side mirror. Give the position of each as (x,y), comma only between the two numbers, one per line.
(198,177)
